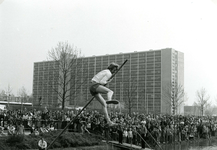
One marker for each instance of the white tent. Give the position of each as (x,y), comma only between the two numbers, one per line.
(2,107)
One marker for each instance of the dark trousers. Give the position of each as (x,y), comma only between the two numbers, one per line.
(142,140)
(64,124)
(120,137)
(41,148)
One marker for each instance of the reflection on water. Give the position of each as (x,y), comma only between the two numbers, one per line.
(192,145)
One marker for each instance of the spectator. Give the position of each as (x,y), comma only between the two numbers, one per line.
(135,139)
(36,132)
(143,134)
(52,128)
(163,130)
(156,132)
(11,129)
(84,126)
(125,135)
(1,130)
(42,144)
(130,135)
(32,128)
(20,129)
(169,134)
(25,120)
(120,134)
(43,129)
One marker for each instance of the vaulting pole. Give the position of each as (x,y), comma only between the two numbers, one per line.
(82,110)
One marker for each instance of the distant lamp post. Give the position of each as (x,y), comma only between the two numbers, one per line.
(8,99)
(147,98)
(27,99)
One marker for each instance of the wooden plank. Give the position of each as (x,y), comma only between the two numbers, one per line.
(127,145)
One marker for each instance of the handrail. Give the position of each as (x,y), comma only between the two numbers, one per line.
(140,137)
(154,140)
(143,139)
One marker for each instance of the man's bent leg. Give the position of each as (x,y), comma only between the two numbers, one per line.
(109,95)
(104,106)
(104,90)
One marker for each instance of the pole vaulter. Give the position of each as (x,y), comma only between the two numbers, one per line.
(83,108)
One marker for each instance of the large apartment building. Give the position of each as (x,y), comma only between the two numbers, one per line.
(139,85)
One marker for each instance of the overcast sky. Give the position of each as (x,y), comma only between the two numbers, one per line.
(29,28)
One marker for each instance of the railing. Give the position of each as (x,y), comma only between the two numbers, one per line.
(143,139)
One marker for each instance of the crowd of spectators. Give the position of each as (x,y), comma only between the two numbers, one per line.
(154,129)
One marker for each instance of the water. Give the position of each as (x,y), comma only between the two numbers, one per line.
(204,144)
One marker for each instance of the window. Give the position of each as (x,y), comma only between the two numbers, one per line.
(150,66)
(150,54)
(157,53)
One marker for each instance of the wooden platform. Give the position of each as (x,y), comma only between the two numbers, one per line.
(127,146)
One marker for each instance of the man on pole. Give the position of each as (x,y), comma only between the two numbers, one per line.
(98,87)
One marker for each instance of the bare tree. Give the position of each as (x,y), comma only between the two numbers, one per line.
(202,99)
(70,65)
(175,96)
(210,110)
(130,89)
(22,93)
(216,99)
(8,91)
(3,95)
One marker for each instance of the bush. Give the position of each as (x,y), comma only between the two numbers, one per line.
(67,139)
(15,139)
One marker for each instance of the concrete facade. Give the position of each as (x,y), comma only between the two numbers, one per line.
(138,85)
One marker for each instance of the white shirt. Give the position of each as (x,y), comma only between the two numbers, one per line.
(130,134)
(42,144)
(125,134)
(102,77)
